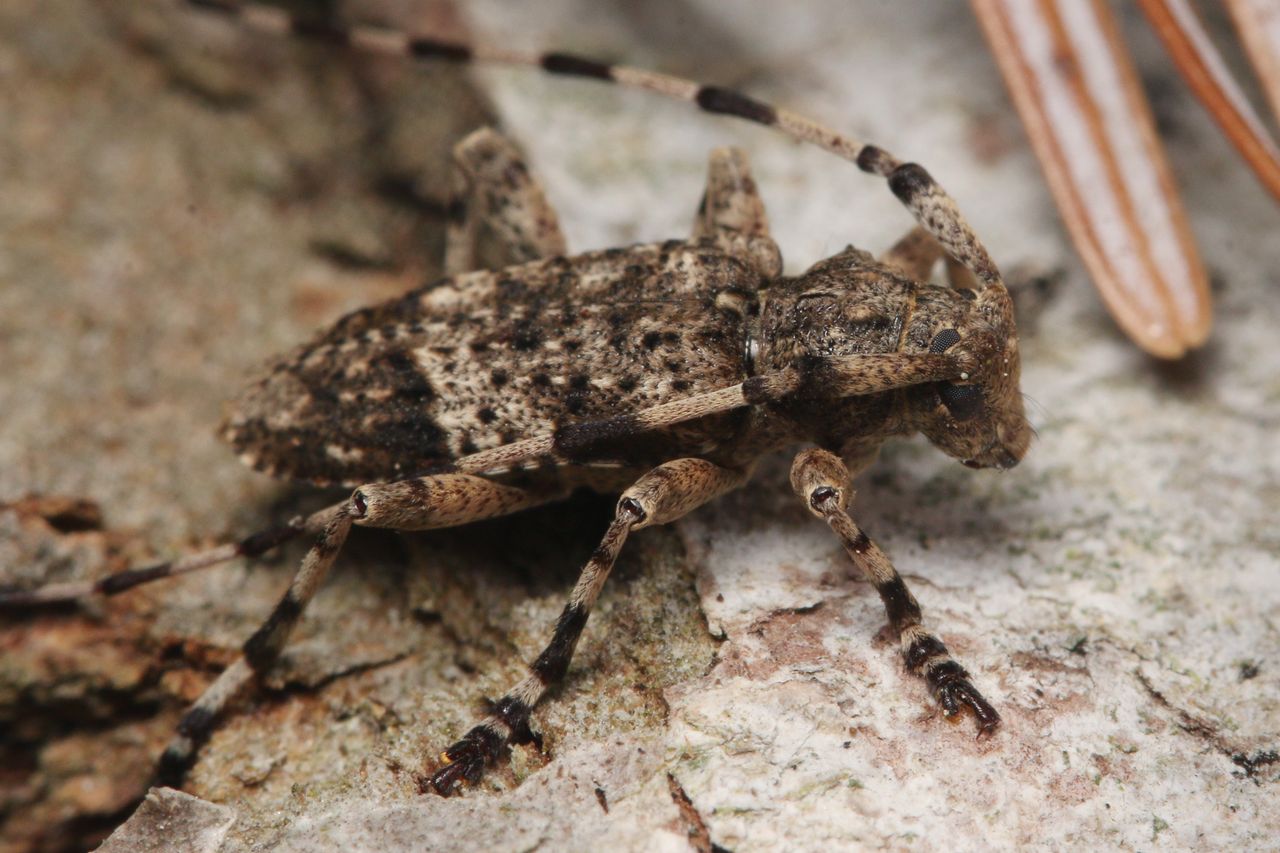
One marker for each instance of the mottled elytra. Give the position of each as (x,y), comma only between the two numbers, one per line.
(658,372)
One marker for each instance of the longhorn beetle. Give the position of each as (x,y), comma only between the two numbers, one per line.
(660,372)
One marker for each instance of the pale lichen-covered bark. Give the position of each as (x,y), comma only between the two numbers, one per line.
(170,220)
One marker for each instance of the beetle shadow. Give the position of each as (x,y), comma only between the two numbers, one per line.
(945,507)
(901,495)
(476,580)
(1190,376)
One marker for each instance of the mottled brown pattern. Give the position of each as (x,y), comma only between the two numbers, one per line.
(485,359)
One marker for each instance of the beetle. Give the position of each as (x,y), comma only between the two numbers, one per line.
(658,372)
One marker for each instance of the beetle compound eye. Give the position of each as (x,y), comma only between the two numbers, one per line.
(964,402)
(944,341)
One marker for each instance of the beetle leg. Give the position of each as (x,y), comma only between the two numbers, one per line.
(917,252)
(423,503)
(914,255)
(443,500)
(732,213)
(494,192)
(259,652)
(662,495)
(821,480)
(731,201)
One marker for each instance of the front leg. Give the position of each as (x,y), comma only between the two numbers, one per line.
(822,481)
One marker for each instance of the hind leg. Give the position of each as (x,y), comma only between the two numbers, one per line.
(423,503)
(496,199)
(662,495)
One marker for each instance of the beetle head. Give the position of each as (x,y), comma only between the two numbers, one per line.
(850,304)
(977,417)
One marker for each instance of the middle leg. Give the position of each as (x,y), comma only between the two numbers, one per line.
(660,496)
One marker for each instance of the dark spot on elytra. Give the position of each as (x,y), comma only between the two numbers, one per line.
(511,291)
(651,340)
(711,337)
(499,378)
(487,415)
(322,394)
(579,381)
(415,437)
(398,360)
(526,336)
